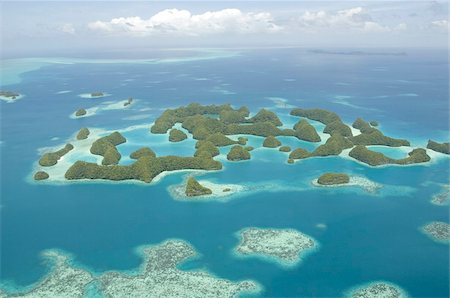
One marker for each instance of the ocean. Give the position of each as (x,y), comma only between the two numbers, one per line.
(363,236)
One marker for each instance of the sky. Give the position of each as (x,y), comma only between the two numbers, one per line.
(34,28)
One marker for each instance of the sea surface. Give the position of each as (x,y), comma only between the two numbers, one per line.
(363,237)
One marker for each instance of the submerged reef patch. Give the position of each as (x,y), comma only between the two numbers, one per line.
(285,246)
(438,231)
(377,289)
(443,197)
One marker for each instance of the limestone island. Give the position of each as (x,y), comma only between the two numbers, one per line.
(238,153)
(51,158)
(41,175)
(83,133)
(439,147)
(271,142)
(214,126)
(333,179)
(285,246)
(443,197)
(194,188)
(176,135)
(9,96)
(97,94)
(376,290)
(128,102)
(158,275)
(80,112)
(438,231)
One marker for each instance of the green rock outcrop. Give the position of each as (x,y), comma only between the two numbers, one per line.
(142,152)
(219,139)
(194,188)
(97,94)
(237,153)
(320,115)
(263,129)
(80,112)
(242,141)
(9,94)
(249,148)
(376,137)
(176,135)
(41,175)
(83,134)
(266,116)
(363,126)
(128,102)
(333,179)
(333,146)
(306,132)
(232,116)
(338,127)
(144,169)
(271,142)
(299,153)
(206,146)
(439,147)
(285,149)
(106,147)
(373,158)
(374,123)
(51,158)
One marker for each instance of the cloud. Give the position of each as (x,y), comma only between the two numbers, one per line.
(182,22)
(443,25)
(67,28)
(356,18)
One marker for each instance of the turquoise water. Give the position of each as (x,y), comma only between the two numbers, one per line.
(367,236)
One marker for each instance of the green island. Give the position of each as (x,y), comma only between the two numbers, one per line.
(439,147)
(97,94)
(306,132)
(106,147)
(215,126)
(83,133)
(176,135)
(374,123)
(9,94)
(361,153)
(333,179)
(271,142)
(285,149)
(51,158)
(194,188)
(80,112)
(238,153)
(142,152)
(128,102)
(41,175)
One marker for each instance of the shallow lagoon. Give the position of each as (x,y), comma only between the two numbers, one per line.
(102,223)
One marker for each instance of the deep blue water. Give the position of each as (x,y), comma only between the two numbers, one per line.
(367,237)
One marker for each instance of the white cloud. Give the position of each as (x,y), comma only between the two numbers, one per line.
(356,18)
(182,22)
(441,25)
(68,28)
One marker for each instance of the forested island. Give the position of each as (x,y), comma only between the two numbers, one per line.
(215,126)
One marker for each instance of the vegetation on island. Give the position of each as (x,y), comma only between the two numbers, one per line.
(106,147)
(233,116)
(298,153)
(249,148)
(320,115)
(142,152)
(338,127)
(220,140)
(144,169)
(306,132)
(271,142)
(333,146)
(80,112)
(439,147)
(194,188)
(97,94)
(176,135)
(238,153)
(41,175)
(285,149)
(128,102)
(266,116)
(242,141)
(363,126)
(51,158)
(376,137)
(333,179)
(9,94)
(374,123)
(83,133)
(206,146)
(373,158)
